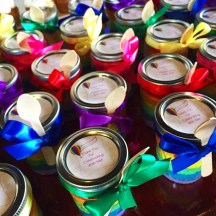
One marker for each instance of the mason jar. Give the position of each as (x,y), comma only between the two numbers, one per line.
(89,163)
(165,31)
(11,85)
(50,118)
(179,115)
(160,75)
(16,193)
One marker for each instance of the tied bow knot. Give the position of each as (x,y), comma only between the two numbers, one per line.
(140,170)
(186,152)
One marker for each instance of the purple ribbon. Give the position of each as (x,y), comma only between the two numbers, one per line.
(7,96)
(122,3)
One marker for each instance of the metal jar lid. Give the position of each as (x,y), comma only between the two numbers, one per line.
(69,27)
(11,73)
(72,5)
(96,184)
(175,6)
(44,76)
(121,16)
(23,189)
(49,117)
(105,55)
(205,15)
(10,45)
(168,22)
(208,48)
(162,106)
(49,14)
(83,82)
(150,61)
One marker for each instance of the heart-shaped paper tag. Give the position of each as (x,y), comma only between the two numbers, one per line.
(148,11)
(126,37)
(22,40)
(190,74)
(190,4)
(36,14)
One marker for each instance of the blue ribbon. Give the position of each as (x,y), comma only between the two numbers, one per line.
(27,141)
(197,6)
(187,152)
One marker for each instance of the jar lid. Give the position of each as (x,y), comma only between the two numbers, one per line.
(107,47)
(167,30)
(165,69)
(72,5)
(50,109)
(92,159)
(90,91)
(8,74)
(43,66)
(131,15)
(176,5)
(181,113)
(11,46)
(14,189)
(208,48)
(49,13)
(207,15)
(73,27)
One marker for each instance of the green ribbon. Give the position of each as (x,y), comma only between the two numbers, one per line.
(30,25)
(152,20)
(142,169)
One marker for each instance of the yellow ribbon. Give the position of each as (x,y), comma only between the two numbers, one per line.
(190,39)
(6,26)
(93,25)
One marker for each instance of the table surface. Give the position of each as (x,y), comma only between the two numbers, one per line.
(155,198)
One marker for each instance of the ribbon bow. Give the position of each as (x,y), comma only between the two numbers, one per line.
(187,152)
(30,25)
(59,82)
(142,169)
(27,141)
(188,39)
(6,26)
(90,120)
(93,25)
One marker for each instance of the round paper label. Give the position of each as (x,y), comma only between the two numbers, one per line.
(75,26)
(165,69)
(5,75)
(209,16)
(96,90)
(46,111)
(92,157)
(49,63)
(110,45)
(186,115)
(211,48)
(131,13)
(169,30)
(7,191)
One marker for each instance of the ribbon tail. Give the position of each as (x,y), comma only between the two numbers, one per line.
(197,6)
(172,47)
(56,46)
(24,150)
(126,199)
(103,204)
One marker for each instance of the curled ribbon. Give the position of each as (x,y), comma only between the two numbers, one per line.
(30,25)
(187,152)
(142,169)
(190,39)
(87,119)
(27,141)
(6,26)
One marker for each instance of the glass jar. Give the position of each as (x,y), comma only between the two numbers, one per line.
(19,58)
(165,31)
(89,94)
(50,118)
(179,115)
(43,67)
(89,163)
(160,75)
(16,193)
(11,85)
(207,15)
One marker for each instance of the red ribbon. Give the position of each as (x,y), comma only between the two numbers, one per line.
(199,80)
(56,82)
(23,62)
(211,65)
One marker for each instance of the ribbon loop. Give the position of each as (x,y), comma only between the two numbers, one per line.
(6,26)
